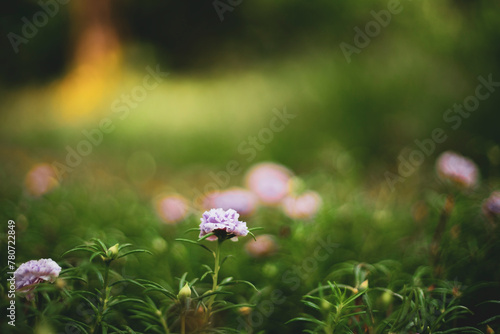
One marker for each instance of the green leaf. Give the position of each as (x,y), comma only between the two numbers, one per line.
(127,281)
(226,280)
(210,293)
(163,291)
(78,249)
(205,236)
(96,254)
(182,281)
(489,302)
(123,246)
(239,282)
(126,300)
(77,278)
(205,274)
(253,236)
(135,251)
(490,320)
(197,229)
(96,311)
(311,304)
(100,243)
(195,243)
(225,258)
(312,320)
(225,308)
(461,330)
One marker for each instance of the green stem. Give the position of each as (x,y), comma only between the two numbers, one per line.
(439,232)
(106,274)
(105,295)
(35,309)
(163,324)
(216,274)
(183,323)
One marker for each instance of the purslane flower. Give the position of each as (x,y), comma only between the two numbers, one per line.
(29,274)
(457,169)
(223,223)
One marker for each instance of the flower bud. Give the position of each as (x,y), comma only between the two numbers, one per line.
(387,298)
(112,252)
(245,310)
(185,293)
(325,305)
(364,285)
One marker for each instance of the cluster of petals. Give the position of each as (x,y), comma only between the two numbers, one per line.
(223,223)
(30,273)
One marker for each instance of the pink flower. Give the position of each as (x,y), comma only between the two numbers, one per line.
(41,179)
(263,245)
(304,206)
(269,181)
(241,200)
(172,208)
(457,169)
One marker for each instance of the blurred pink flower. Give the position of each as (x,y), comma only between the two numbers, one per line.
(241,200)
(491,206)
(304,206)
(263,245)
(172,208)
(205,201)
(269,181)
(41,179)
(457,169)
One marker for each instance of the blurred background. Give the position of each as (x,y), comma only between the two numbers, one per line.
(84,88)
(227,76)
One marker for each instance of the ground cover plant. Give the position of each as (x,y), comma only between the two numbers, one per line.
(307,266)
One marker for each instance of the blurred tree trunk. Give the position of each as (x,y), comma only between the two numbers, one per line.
(95,65)
(95,34)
